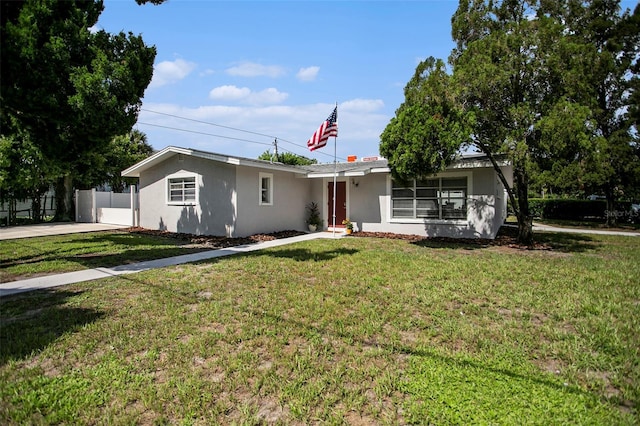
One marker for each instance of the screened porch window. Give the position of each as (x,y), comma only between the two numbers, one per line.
(436,198)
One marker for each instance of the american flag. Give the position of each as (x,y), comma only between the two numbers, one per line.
(328,128)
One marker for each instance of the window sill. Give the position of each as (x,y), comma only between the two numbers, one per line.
(183,203)
(456,222)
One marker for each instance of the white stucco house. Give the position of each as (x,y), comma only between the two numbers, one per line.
(198,192)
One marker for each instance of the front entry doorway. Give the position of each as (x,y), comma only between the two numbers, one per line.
(341,203)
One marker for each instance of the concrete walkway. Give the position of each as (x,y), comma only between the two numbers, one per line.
(46,229)
(39,283)
(49,281)
(548,228)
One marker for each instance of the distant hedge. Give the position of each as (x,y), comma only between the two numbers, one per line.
(568,209)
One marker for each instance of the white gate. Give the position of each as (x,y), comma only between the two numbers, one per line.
(107,207)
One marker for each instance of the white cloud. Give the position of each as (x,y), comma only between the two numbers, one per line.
(208,71)
(362,105)
(308,74)
(167,72)
(268,96)
(229,93)
(361,121)
(252,69)
(246,96)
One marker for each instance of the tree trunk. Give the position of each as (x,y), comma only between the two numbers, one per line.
(36,205)
(525,220)
(64,202)
(610,213)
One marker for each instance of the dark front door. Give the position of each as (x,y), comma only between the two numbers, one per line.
(341,203)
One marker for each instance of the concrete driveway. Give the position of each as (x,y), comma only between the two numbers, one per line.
(45,229)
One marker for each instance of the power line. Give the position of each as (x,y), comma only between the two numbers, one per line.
(230,128)
(209,123)
(204,133)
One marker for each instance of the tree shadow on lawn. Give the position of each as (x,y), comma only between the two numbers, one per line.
(96,259)
(402,349)
(567,242)
(31,321)
(543,241)
(305,255)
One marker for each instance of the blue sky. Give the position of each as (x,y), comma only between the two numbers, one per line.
(276,69)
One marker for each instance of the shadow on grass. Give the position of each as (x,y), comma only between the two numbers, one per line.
(566,242)
(96,257)
(402,349)
(305,255)
(543,241)
(31,321)
(453,244)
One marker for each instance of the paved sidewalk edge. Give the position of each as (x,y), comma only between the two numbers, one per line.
(49,281)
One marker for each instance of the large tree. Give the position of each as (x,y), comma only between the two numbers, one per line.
(104,166)
(518,88)
(612,41)
(67,89)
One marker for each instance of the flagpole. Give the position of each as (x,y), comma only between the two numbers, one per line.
(335,169)
(335,172)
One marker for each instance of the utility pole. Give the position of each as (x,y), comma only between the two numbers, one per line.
(275,144)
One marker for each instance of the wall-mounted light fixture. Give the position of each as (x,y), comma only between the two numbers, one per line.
(355,183)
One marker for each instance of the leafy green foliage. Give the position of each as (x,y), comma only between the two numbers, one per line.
(429,129)
(287,158)
(546,84)
(106,165)
(578,210)
(65,89)
(313,214)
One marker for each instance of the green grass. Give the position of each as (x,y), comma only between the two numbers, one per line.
(28,257)
(590,224)
(350,331)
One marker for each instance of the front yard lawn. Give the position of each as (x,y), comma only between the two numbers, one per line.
(28,257)
(349,331)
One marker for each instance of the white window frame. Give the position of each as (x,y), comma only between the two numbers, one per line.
(182,176)
(468,198)
(269,189)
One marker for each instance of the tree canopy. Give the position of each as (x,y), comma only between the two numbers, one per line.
(531,80)
(287,158)
(66,89)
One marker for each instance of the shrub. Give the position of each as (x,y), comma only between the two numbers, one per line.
(572,209)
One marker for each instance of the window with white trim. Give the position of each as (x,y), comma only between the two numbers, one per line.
(181,190)
(266,189)
(442,198)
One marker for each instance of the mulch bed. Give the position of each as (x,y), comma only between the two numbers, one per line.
(214,242)
(506,237)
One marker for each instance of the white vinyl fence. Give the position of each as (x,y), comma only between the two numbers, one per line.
(107,207)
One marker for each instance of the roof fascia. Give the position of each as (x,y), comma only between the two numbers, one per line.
(134,171)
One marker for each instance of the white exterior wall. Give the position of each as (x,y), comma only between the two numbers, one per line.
(214,213)
(116,216)
(287,210)
(370,207)
(228,201)
(316,195)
